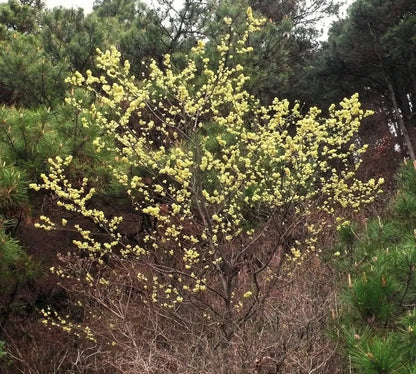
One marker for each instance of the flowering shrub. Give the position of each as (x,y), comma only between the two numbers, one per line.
(229,186)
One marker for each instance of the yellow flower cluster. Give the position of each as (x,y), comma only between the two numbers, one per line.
(52,318)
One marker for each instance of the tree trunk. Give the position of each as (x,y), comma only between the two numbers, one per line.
(387,79)
(399,119)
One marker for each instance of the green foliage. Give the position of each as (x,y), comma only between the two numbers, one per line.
(371,296)
(27,72)
(13,188)
(3,352)
(377,356)
(405,204)
(407,335)
(16,268)
(28,137)
(147,32)
(123,10)
(20,16)
(405,207)
(70,37)
(145,39)
(348,235)
(379,299)
(407,179)
(13,259)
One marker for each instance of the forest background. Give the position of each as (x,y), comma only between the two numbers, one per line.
(191,230)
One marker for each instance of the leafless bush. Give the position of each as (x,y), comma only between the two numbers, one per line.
(288,336)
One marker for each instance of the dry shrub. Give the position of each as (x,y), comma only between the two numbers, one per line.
(288,336)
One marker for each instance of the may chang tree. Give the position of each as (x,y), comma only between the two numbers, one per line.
(227,195)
